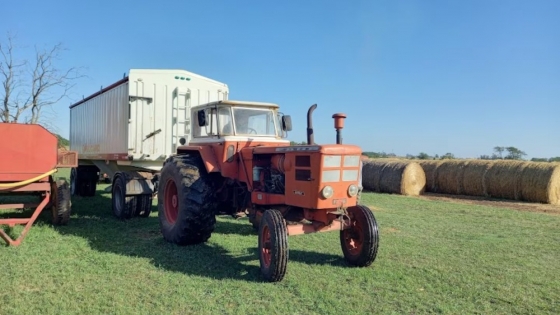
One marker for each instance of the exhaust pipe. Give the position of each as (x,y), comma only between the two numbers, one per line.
(338,125)
(310,138)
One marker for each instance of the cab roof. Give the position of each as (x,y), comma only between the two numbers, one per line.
(241,103)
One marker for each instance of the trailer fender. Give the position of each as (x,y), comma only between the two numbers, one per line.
(206,153)
(136,184)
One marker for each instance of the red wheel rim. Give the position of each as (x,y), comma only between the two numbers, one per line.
(354,238)
(265,246)
(171,204)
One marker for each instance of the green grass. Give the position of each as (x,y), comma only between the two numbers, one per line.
(435,257)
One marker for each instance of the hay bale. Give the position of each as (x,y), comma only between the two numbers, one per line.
(474,174)
(430,170)
(449,177)
(540,182)
(503,179)
(393,176)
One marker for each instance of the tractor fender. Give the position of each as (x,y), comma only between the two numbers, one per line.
(206,154)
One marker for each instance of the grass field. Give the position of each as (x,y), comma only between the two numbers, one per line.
(435,257)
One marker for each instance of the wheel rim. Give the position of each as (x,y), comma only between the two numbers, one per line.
(171,203)
(354,238)
(265,246)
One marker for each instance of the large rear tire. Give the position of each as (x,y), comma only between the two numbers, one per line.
(186,205)
(360,241)
(273,246)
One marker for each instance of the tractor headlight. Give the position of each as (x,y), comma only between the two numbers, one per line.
(327,192)
(352,190)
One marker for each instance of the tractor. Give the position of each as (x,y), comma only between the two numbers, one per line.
(239,163)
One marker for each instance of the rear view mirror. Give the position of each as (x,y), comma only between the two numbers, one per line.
(287,123)
(201,118)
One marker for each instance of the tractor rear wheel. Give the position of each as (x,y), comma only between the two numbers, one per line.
(61,204)
(273,246)
(186,204)
(360,241)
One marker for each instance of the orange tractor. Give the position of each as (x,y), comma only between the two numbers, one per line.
(239,163)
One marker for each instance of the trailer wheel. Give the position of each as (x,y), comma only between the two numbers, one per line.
(89,188)
(186,205)
(143,205)
(360,241)
(75,183)
(61,204)
(273,246)
(123,207)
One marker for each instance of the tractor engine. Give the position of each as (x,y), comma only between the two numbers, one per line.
(268,174)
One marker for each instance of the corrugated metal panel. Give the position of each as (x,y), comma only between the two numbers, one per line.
(99,125)
(144,117)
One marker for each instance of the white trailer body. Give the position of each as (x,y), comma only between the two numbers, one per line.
(137,122)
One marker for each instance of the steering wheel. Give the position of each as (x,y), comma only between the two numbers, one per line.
(251,129)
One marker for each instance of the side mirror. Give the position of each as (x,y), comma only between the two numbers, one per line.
(201,118)
(287,123)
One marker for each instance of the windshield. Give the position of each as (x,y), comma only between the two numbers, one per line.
(250,121)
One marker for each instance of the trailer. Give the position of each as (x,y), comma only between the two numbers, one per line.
(30,157)
(128,129)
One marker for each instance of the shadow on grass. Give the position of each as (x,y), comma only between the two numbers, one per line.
(141,237)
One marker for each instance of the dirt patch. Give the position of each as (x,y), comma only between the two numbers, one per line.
(392,230)
(515,205)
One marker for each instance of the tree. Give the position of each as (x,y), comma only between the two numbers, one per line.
(423,156)
(539,160)
(30,88)
(514,153)
(499,150)
(448,156)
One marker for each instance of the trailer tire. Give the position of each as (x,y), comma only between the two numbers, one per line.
(273,246)
(61,203)
(123,207)
(186,205)
(143,205)
(75,184)
(360,242)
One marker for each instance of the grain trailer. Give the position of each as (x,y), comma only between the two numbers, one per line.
(128,129)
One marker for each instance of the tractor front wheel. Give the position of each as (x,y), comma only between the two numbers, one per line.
(360,241)
(273,246)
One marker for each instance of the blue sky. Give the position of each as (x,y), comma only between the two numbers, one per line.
(412,76)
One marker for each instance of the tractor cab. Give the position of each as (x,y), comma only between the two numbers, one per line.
(236,121)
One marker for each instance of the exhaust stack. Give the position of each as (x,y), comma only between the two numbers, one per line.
(310,137)
(338,125)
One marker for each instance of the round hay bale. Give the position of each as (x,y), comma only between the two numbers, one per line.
(430,170)
(371,174)
(391,176)
(540,182)
(449,177)
(503,179)
(474,175)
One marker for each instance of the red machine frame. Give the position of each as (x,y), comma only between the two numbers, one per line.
(45,185)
